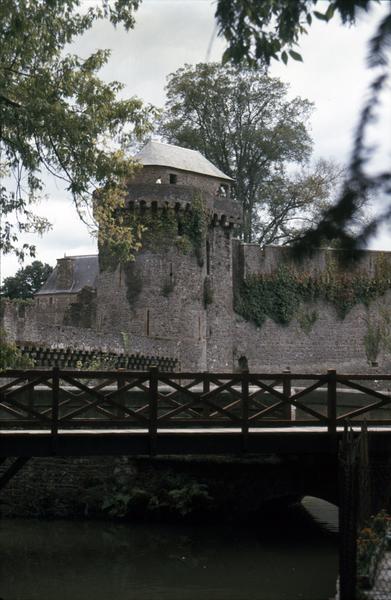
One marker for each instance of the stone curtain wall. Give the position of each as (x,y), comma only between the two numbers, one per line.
(220,315)
(316,338)
(182,311)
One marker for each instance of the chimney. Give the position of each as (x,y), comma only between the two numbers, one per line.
(64,273)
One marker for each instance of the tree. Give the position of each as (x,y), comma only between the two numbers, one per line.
(294,202)
(258,31)
(244,123)
(26,281)
(56,115)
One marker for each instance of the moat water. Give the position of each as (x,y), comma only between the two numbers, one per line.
(290,555)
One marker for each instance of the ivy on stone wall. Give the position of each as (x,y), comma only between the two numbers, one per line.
(279,295)
(194,226)
(184,229)
(162,229)
(377,337)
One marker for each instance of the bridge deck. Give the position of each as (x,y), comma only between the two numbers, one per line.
(87,442)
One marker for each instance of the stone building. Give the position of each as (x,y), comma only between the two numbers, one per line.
(196,294)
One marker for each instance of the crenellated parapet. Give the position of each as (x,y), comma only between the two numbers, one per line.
(220,210)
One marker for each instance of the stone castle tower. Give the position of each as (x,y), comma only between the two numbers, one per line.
(165,301)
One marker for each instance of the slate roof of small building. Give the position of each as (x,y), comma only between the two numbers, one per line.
(176,157)
(85,271)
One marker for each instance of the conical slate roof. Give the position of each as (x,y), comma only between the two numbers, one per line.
(168,155)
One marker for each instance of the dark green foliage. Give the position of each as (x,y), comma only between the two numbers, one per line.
(258,31)
(162,495)
(373,339)
(26,281)
(279,295)
(194,224)
(307,319)
(276,296)
(57,115)
(160,229)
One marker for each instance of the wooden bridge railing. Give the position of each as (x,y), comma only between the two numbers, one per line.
(68,399)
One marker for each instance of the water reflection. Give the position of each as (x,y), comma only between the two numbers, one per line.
(287,556)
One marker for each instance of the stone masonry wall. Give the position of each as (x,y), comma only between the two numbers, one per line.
(204,183)
(136,488)
(220,315)
(331,342)
(157,300)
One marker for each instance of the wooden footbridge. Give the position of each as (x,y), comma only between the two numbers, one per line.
(81,413)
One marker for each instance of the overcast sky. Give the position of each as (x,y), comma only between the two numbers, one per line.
(169,33)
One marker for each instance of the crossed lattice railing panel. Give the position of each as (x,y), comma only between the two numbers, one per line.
(64,399)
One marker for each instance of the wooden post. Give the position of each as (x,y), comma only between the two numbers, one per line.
(332,400)
(349,495)
(55,400)
(245,394)
(153,407)
(30,396)
(287,391)
(121,397)
(205,390)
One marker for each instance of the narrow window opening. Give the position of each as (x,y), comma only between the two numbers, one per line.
(51,300)
(147,321)
(223,190)
(171,272)
(207,257)
(173,178)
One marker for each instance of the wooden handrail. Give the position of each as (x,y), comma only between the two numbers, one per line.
(172,400)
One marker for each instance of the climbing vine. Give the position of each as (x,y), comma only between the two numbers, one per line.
(194,225)
(186,229)
(160,230)
(279,295)
(377,337)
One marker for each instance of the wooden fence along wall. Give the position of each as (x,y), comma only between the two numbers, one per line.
(64,399)
(77,358)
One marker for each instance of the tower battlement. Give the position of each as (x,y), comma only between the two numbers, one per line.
(220,210)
